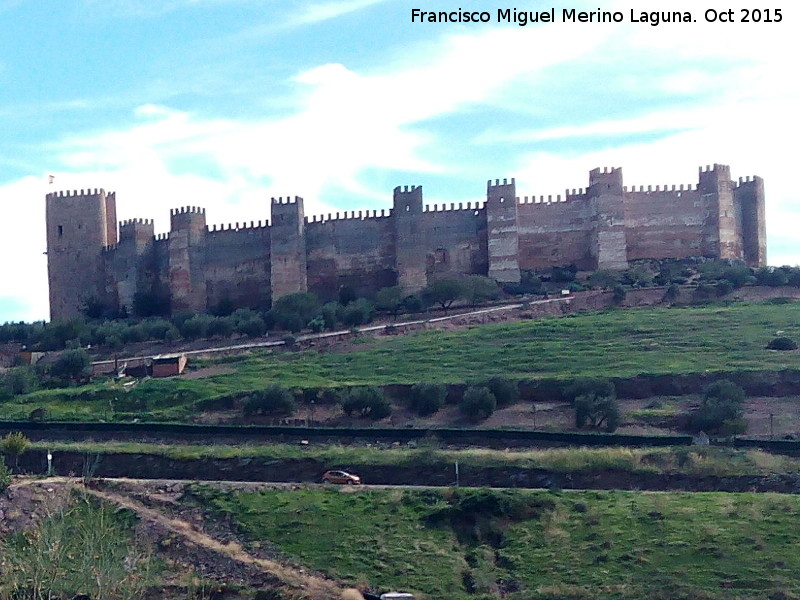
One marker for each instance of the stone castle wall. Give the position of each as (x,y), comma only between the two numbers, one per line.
(198,266)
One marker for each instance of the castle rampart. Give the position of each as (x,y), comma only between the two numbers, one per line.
(198,266)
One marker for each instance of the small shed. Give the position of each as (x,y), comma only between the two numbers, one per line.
(169,365)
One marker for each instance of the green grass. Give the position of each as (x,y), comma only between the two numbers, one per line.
(688,460)
(619,343)
(615,545)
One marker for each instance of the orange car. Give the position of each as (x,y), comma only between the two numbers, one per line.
(341,477)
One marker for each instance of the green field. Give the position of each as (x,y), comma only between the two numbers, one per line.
(614,343)
(531,545)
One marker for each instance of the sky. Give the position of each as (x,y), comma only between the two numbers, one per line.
(226,103)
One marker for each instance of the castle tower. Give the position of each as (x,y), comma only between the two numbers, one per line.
(410,242)
(720,236)
(501,230)
(79,226)
(749,198)
(135,243)
(186,259)
(288,247)
(609,245)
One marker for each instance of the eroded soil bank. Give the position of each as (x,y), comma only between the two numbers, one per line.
(150,466)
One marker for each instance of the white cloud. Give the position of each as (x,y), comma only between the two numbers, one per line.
(348,122)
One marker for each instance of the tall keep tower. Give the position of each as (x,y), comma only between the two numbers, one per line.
(288,250)
(79,226)
(502,233)
(410,243)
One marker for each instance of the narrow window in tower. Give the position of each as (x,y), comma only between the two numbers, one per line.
(60,230)
(408,208)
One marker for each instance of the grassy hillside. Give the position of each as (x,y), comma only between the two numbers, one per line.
(532,545)
(613,343)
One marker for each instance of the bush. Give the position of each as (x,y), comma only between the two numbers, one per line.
(366,403)
(478,288)
(603,279)
(597,411)
(253,326)
(389,299)
(427,398)
(444,292)
(358,313)
(672,292)
(782,343)
(293,311)
(5,476)
(14,444)
(618,294)
(595,402)
(273,401)
(195,327)
(19,380)
(72,364)
(721,410)
(505,391)
(478,402)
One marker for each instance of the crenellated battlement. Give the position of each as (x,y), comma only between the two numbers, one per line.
(288,200)
(187,210)
(748,180)
(254,225)
(129,222)
(76,193)
(497,183)
(689,187)
(462,206)
(602,225)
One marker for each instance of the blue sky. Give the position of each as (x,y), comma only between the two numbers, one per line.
(224,103)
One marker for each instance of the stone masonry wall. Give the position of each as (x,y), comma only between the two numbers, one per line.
(605,225)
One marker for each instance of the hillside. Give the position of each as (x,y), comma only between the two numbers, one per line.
(669,341)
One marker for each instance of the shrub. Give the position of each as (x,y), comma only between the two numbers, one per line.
(366,403)
(619,294)
(672,292)
(603,279)
(444,292)
(478,402)
(358,313)
(597,411)
(38,414)
(505,391)
(221,326)
(72,364)
(595,402)
(329,315)
(389,299)
(294,311)
(317,324)
(782,343)
(478,288)
(196,327)
(721,410)
(19,380)
(273,401)
(14,444)
(5,476)
(253,326)
(412,303)
(427,398)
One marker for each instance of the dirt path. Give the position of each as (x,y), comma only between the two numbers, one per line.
(304,584)
(310,585)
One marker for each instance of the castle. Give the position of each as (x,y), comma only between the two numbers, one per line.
(197,266)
